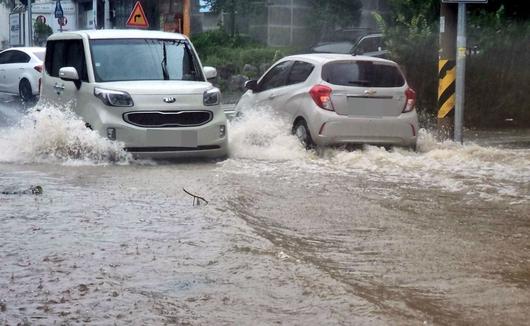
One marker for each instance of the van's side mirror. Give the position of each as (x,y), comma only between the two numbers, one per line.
(252,85)
(70,74)
(210,72)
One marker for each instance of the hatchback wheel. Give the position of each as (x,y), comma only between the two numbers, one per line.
(25,91)
(302,132)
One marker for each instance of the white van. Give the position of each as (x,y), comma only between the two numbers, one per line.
(146,89)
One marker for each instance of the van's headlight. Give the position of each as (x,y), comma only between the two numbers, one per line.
(113,98)
(211,97)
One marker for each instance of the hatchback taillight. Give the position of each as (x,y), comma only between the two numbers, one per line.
(410,102)
(38,68)
(322,96)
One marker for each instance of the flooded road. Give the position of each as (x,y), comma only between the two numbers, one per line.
(369,237)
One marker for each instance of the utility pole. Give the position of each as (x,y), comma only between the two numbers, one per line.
(447,69)
(460,72)
(186,13)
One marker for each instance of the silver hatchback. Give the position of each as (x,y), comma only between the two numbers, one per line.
(335,99)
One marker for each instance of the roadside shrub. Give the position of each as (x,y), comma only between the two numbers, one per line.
(496,75)
(230,55)
(495,72)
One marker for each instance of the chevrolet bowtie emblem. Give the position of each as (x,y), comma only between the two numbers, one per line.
(169,99)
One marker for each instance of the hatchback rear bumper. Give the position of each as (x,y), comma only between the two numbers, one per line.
(398,131)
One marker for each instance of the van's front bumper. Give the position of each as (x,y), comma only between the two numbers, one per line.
(208,140)
(210,151)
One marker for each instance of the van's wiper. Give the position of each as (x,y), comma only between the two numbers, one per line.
(164,62)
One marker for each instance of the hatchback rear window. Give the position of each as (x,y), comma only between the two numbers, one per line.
(363,74)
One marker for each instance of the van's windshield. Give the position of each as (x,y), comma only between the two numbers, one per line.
(143,59)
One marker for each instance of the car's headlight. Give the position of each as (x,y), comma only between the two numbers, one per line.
(113,98)
(211,97)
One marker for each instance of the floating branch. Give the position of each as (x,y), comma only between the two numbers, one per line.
(196,199)
(32,190)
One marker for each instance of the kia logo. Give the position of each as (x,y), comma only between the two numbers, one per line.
(169,99)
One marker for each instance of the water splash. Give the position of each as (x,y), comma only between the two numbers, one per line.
(49,134)
(260,135)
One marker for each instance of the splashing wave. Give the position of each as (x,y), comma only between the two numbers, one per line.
(49,134)
(263,137)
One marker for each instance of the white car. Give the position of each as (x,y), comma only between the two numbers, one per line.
(20,71)
(335,99)
(146,89)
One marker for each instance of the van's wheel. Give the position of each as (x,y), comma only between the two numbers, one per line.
(25,91)
(301,131)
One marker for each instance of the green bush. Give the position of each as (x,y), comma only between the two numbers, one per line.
(208,42)
(495,76)
(230,54)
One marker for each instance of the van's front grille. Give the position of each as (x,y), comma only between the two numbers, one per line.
(167,119)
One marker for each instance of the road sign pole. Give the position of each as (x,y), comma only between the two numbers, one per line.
(460,72)
(30,29)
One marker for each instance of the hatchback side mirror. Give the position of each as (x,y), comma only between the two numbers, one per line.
(252,85)
(70,74)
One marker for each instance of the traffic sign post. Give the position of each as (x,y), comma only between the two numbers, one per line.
(59,12)
(461,66)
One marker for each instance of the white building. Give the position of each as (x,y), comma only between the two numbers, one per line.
(14,26)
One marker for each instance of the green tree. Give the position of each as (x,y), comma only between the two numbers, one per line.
(41,32)
(500,32)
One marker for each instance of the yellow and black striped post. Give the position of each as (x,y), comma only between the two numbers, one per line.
(446,87)
(447,70)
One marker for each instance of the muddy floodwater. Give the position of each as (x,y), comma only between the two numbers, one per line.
(369,237)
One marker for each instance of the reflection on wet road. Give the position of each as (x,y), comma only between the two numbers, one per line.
(368,237)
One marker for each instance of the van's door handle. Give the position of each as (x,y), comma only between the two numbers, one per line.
(370,92)
(271,96)
(59,88)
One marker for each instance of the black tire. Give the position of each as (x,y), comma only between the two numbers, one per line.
(25,91)
(301,131)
